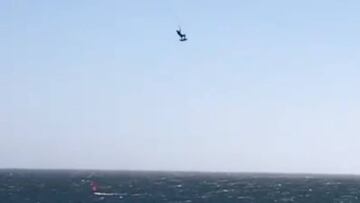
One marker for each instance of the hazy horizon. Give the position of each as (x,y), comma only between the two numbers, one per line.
(181,171)
(258,87)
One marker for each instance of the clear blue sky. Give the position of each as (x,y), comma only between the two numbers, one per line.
(267,86)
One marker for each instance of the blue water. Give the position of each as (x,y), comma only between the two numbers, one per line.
(45,186)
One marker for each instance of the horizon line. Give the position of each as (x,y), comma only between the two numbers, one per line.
(183,171)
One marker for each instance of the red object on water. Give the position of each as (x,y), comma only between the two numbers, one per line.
(93,186)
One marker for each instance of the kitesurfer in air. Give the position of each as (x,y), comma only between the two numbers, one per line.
(181,35)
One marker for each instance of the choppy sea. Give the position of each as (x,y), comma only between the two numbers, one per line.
(66,186)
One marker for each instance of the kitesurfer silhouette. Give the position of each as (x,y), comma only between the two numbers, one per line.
(181,35)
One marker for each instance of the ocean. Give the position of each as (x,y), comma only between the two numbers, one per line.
(67,186)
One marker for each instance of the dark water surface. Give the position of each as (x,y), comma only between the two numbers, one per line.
(45,186)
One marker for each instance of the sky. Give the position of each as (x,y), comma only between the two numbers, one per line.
(260,86)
